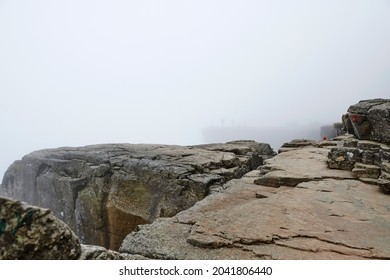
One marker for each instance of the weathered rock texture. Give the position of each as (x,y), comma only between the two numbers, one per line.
(92,252)
(369,161)
(293,207)
(104,191)
(369,120)
(28,232)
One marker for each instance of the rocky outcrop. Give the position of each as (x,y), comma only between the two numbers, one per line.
(92,252)
(369,161)
(103,192)
(367,154)
(369,120)
(293,207)
(28,232)
(314,200)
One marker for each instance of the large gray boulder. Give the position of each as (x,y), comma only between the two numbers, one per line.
(28,232)
(369,120)
(103,192)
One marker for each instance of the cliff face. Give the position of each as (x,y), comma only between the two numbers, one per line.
(104,191)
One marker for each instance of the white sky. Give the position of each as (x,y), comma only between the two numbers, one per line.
(79,72)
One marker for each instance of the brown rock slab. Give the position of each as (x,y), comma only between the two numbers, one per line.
(329,215)
(293,167)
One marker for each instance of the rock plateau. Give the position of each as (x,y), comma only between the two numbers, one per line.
(313,200)
(293,207)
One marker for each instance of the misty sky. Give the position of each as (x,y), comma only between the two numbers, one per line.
(81,72)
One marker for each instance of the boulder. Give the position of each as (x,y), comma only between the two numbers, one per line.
(344,158)
(370,120)
(103,192)
(28,232)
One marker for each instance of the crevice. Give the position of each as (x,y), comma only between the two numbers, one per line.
(261,196)
(328,241)
(335,215)
(275,238)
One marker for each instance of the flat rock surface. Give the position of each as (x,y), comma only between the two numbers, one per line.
(292,167)
(311,212)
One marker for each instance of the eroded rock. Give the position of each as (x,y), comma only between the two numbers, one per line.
(368,161)
(370,120)
(28,232)
(92,252)
(311,213)
(103,192)
(299,165)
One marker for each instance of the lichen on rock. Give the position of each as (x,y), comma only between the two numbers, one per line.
(28,232)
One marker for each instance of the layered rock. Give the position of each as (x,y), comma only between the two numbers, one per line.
(103,192)
(28,232)
(369,120)
(293,207)
(369,161)
(314,200)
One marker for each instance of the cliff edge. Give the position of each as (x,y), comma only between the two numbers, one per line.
(293,207)
(238,200)
(103,192)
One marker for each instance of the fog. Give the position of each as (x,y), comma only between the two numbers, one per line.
(82,72)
